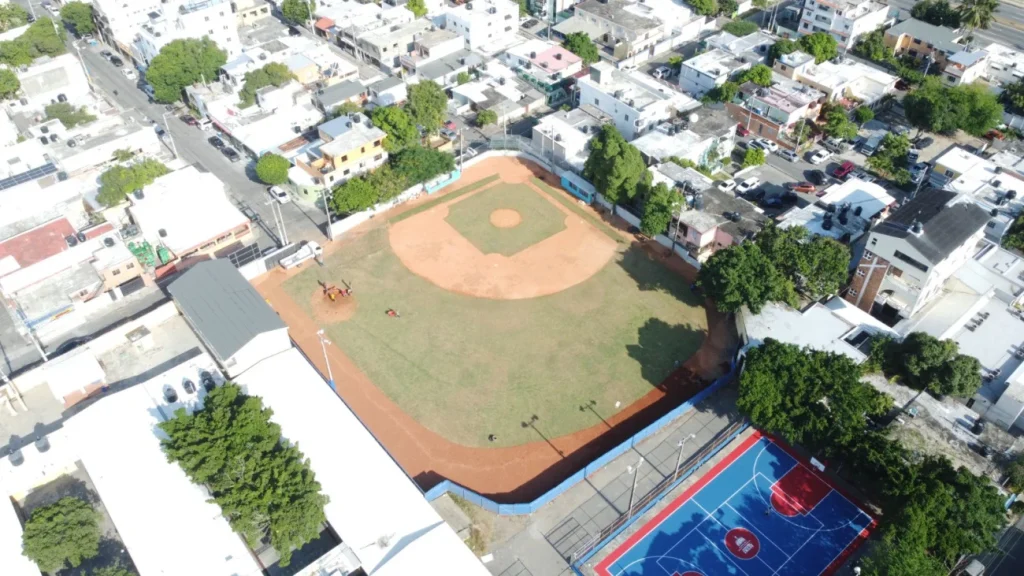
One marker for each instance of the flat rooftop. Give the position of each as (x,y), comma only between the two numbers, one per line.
(635,88)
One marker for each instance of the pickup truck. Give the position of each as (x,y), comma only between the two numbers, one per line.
(307,251)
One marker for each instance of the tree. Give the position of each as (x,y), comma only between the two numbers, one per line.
(686,163)
(614,166)
(12,16)
(1014,237)
(759,74)
(863,114)
(890,160)
(272,74)
(418,164)
(42,38)
(821,45)
(273,169)
(1013,97)
(118,181)
(975,14)
(781,47)
(262,483)
(462,78)
(182,63)
(727,8)
(298,11)
(740,27)
(983,110)
(354,195)
(743,276)
(816,267)
(944,110)
(837,123)
(78,17)
(1015,473)
(936,13)
(903,550)
(922,361)
(63,533)
(872,46)
(15,53)
(114,570)
(675,63)
(345,108)
(428,104)
(581,45)
(726,92)
(960,376)
(808,397)
(417,7)
(704,7)
(753,157)
(659,209)
(485,117)
(398,125)
(9,84)
(523,10)
(68,115)
(122,155)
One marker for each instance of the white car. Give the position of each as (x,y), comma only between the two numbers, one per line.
(279,194)
(727,185)
(129,73)
(820,156)
(662,72)
(788,154)
(766,144)
(748,185)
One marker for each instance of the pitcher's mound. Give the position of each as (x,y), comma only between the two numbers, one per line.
(505,218)
(329,312)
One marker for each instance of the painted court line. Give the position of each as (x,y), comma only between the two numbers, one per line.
(759,536)
(799,549)
(821,525)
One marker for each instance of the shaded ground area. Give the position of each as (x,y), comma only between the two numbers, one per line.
(476,219)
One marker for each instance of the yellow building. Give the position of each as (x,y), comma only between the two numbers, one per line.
(349,146)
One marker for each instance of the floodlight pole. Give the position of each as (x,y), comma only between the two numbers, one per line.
(327,210)
(679,458)
(323,345)
(632,492)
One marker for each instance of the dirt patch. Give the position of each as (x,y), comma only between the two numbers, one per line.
(505,218)
(341,309)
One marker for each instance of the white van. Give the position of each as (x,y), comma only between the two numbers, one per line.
(205,124)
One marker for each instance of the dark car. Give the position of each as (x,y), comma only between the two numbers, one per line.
(189,386)
(231,154)
(107,54)
(979,427)
(70,345)
(922,143)
(816,176)
(216,142)
(116,61)
(805,187)
(902,85)
(293,31)
(190,120)
(207,379)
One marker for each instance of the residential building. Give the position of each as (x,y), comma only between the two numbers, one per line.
(632,31)
(250,12)
(845,20)
(996,188)
(910,255)
(48,80)
(564,137)
(355,22)
(550,68)
(775,111)
(431,46)
(85,148)
(500,90)
(920,39)
(833,326)
(489,26)
(178,19)
(847,82)
(280,114)
(235,324)
(704,72)
(704,136)
(118,21)
(348,146)
(330,97)
(965,67)
(844,212)
(384,47)
(636,102)
(1005,65)
(187,214)
(445,70)
(390,90)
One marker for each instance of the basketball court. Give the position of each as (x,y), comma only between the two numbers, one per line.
(761,511)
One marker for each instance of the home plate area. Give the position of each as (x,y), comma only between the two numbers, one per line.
(760,511)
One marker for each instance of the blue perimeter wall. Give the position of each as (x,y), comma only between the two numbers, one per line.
(530,507)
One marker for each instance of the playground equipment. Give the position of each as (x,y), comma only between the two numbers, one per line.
(333,292)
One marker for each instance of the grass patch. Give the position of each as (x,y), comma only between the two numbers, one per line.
(471,217)
(445,197)
(479,530)
(567,201)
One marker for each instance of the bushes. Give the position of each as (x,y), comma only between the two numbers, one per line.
(412,165)
(68,115)
(753,157)
(740,27)
(118,181)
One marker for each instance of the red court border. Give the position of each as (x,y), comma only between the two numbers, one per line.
(602,567)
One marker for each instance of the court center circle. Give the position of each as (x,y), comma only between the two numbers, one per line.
(742,543)
(505,218)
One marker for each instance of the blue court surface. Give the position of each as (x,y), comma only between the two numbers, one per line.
(758,512)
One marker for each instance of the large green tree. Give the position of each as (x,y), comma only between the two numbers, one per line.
(937,13)
(740,27)
(69,115)
(944,110)
(182,63)
(117,182)
(354,195)
(864,114)
(399,126)
(891,160)
(704,7)
(262,483)
(614,166)
(781,47)
(753,157)
(272,74)
(821,45)
(428,104)
(62,534)
(78,17)
(660,207)
(816,266)
(742,275)
(581,45)
(725,92)
(9,84)
(759,74)
(273,169)
(924,362)
(418,164)
(298,11)
(40,39)
(486,117)
(417,7)
(976,14)
(12,16)
(1012,97)
(837,123)
(872,46)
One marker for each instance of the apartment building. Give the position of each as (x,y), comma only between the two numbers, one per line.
(845,20)
(48,80)
(965,67)
(774,112)
(564,137)
(910,255)
(357,21)
(1005,65)
(623,29)
(635,102)
(727,55)
(431,46)
(250,12)
(847,81)
(549,67)
(348,146)
(704,136)
(118,21)
(995,184)
(211,19)
(489,26)
(920,39)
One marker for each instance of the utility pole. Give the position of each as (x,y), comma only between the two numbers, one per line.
(632,492)
(167,130)
(323,345)
(679,458)
(327,211)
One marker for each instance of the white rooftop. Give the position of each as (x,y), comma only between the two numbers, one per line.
(863,81)
(869,197)
(716,62)
(636,89)
(987,184)
(374,507)
(660,144)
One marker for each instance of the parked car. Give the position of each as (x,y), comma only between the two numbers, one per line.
(130,73)
(912,155)
(820,156)
(70,345)
(816,176)
(279,194)
(449,134)
(190,120)
(995,135)
(727,185)
(293,31)
(451,125)
(862,175)
(766,144)
(788,154)
(979,427)
(741,130)
(835,145)
(844,170)
(918,172)
(107,54)
(924,142)
(902,85)
(748,185)
(216,142)
(116,61)
(230,153)
(662,72)
(804,187)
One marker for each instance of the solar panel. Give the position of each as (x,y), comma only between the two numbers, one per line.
(33,174)
(245,255)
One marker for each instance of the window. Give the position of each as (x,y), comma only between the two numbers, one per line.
(951,78)
(897,272)
(911,261)
(345,173)
(860,272)
(83,292)
(378,157)
(376,142)
(917,40)
(597,102)
(868,255)
(363,149)
(207,18)
(874,241)
(130,265)
(853,292)
(626,117)
(344,158)
(115,272)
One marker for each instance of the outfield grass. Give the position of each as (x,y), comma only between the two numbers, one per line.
(471,217)
(467,367)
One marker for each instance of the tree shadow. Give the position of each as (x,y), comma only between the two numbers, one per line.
(654,268)
(61,487)
(111,552)
(659,346)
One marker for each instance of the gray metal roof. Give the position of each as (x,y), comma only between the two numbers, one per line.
(945,227)
(335,94)
(939,36)
(222,307)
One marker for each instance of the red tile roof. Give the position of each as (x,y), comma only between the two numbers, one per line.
(324,24)
(39,243)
